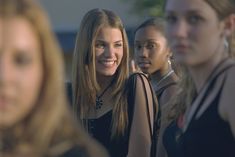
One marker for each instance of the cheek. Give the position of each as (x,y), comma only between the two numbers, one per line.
(204,51)
(31,88)
(159,57)
(98,53)
(120,55)
(27,93)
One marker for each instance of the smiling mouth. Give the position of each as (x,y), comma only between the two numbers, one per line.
(108,63)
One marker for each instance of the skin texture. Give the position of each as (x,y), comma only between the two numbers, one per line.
(21,70)
(194,31)
(151,54)
(196,37)
(109,51)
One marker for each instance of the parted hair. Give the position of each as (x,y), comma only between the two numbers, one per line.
(84,80)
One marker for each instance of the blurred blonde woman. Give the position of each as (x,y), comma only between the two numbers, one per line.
(116,109)
(34,116)
(201,36)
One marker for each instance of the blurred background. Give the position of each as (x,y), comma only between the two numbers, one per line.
(66,15)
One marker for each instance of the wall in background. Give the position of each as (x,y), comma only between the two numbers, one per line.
(66,15)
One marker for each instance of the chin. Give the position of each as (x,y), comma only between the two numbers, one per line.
(5,124)
(145,70)
(110,73)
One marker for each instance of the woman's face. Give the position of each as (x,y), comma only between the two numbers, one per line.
(21,70)
(194,32)
(108,51)
(151,53)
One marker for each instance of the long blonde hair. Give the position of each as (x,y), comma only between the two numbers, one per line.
(50,124)
(85,84)
(186,86)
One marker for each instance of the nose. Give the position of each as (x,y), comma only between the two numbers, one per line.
(143,52)
(109,51)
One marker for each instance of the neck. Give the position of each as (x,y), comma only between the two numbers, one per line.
(104,81)
(201,73)
(159,74)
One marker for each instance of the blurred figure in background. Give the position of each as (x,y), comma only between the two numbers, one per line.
(201,36)
(153,57)
(34,115)
(116,109)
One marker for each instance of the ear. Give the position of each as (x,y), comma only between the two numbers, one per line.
(229,26)
(169,52)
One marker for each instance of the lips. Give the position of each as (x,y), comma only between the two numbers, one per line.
(107,63)
(180,48)
(144,64)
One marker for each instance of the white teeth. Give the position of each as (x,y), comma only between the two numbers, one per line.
(108,62)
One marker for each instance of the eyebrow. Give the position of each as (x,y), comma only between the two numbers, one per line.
(148,40)
(100,40)
(191,11)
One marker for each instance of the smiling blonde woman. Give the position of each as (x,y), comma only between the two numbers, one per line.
(102,94)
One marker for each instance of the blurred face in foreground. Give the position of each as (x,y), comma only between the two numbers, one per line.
(194,31)
(21,70)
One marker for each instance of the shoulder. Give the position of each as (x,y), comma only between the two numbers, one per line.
(168,93)
(229,81)
(227,98)
(138,79)
(138,75)
(231,72)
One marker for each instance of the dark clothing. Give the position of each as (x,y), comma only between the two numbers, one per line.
(206,134)
(100,129)
(166,84)
(69,92)
(75,152)
(169,83)
(171,140)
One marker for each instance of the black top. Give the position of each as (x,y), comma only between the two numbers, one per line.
(171,140)
(100,129)
(75,151)
(207,134)
(69,91)
(170,81)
